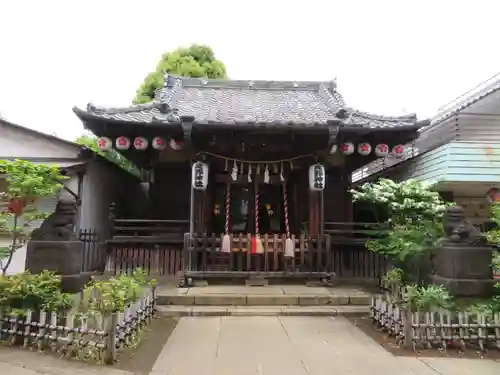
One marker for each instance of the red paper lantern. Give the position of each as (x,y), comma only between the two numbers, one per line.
(122,143)
(104,144)
(159,143)
(347,148)
(381,150)
(364,149)
(176,145)
(398,151)
(140,143)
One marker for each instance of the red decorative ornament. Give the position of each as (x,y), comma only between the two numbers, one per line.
(104,144)
(122,143)
(140,143)
(398,151)
(159,143)
(364,149)
(176,145)
(381,150)
(347,148)
(493,196)
(16,206)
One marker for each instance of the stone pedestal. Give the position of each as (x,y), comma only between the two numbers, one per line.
(62,257)
(464,269)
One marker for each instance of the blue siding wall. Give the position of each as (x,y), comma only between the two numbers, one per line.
(430,167)
(473,161)
(457,162)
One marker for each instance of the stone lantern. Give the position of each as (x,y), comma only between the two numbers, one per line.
(463,263)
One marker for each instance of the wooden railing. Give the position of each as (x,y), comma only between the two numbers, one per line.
(94,251)
(313,258)
(151,231)
(340,252)
(354,233)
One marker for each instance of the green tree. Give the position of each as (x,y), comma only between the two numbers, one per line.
(27,183)
(90,141)
(415,221)
(195,61)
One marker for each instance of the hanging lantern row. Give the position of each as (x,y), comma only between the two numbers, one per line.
(365,149)
(139,143)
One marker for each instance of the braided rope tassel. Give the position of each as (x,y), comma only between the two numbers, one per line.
(226,240)
(257,208)
(289,243)
(228,207)
(285,210)
(257,247)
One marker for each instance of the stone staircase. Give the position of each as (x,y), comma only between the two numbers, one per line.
(272,300)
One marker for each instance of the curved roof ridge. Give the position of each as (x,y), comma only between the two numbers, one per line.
(114,110)
(171,80)
(373,116)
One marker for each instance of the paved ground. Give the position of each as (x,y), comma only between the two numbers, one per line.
(261,346)
(270,290)
(292,346)
(23,362)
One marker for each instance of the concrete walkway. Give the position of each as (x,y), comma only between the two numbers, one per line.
(22,362)
(292,345)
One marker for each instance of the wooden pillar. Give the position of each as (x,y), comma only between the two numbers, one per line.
(314,213)
(199,212)
(348,204)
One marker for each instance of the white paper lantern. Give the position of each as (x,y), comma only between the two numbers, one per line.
(199,176)
(364,149)
(398,151)
(159,143)
(381,150)
(104,144)
(347,148)
(175,145)
(317,177)
(140,143)
(122,143)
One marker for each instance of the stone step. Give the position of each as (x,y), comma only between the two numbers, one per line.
(262,300)
(346,310)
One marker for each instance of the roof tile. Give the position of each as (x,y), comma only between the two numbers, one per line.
(238,101)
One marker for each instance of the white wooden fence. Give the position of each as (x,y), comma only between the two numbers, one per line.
(86,336)
(429,328)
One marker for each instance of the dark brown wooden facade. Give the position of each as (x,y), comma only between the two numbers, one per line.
(283,127)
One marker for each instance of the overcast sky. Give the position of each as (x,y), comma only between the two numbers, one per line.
(389,57)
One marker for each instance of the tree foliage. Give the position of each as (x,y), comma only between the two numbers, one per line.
(90,141)
(415,213)
(195,61)
(26,184)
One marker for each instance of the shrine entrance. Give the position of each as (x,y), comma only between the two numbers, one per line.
(242,209)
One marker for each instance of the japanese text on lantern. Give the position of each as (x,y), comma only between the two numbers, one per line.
(319,178)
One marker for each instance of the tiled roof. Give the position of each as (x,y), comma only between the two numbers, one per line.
(236,101)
